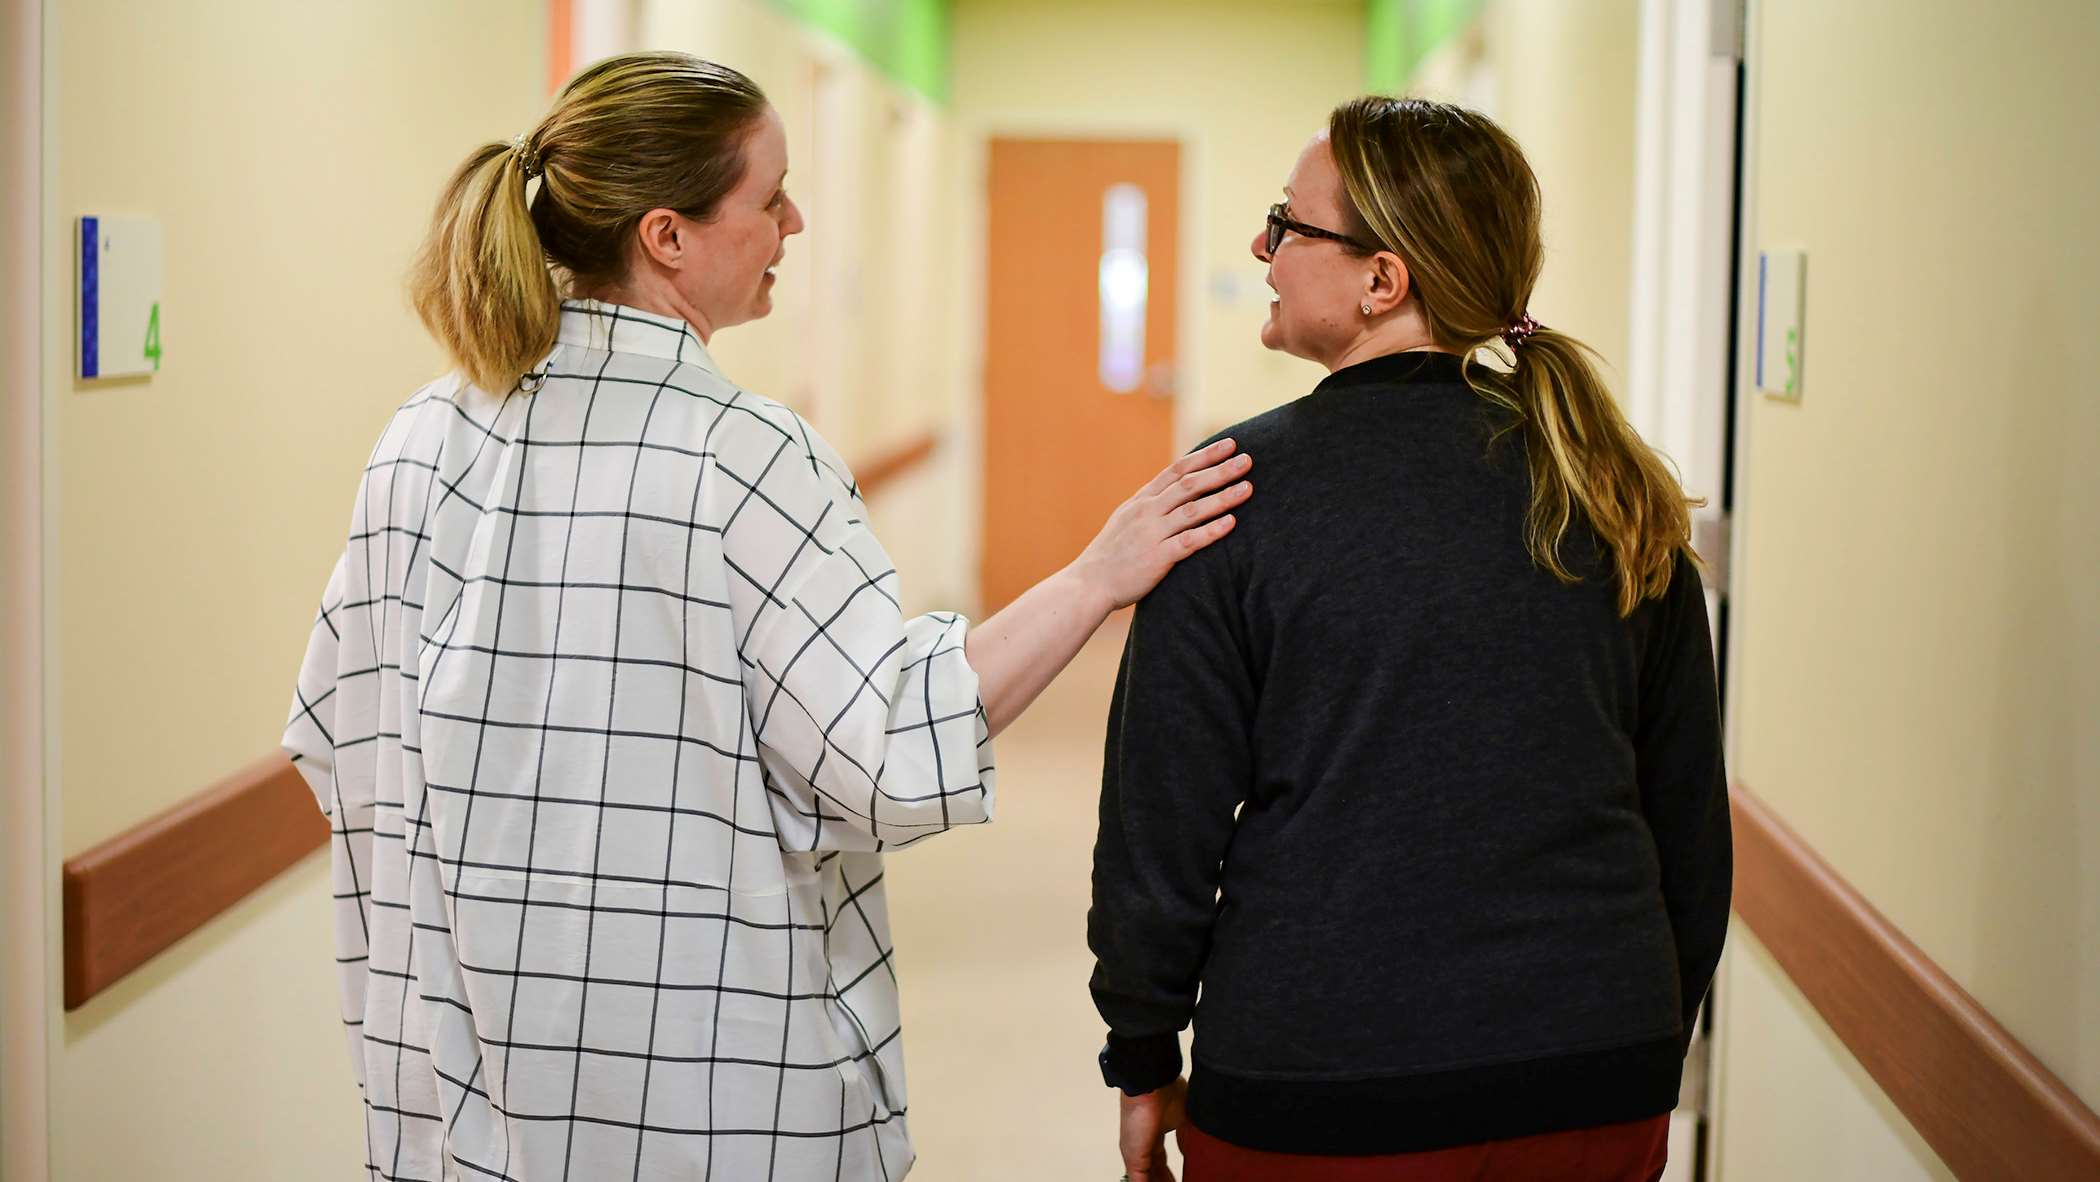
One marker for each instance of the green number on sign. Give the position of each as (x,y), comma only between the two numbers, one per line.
(153,338)
(1793,359)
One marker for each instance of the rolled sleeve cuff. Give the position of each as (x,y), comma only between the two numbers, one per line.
(1144,1064)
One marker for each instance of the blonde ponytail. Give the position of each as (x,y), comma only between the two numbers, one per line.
(481,283)
(632,133)
(1450,192)
(1587,461)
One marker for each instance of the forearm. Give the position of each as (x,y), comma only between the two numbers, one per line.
(1178,765)
(1697,879)
(1149,949)
(1018,652)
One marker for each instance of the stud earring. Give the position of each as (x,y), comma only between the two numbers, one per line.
(1367,309)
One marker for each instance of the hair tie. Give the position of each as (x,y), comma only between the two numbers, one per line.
(528,160)
(1516,334)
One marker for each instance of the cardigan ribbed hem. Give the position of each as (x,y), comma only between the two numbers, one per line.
(1437,1110)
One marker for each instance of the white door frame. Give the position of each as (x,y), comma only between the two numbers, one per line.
(1682,368)
(1684,236)
(25,951)
(1736,653)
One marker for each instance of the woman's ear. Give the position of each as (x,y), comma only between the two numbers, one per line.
(659,236)
(1387,283)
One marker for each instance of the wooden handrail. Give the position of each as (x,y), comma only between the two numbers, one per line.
(130,898)
(1987,1107)
(884,467)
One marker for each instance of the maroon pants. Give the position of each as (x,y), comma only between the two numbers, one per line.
(1630,1152)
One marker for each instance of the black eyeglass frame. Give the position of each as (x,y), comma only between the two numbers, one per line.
(1280,225)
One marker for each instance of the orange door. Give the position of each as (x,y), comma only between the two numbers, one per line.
(1082,253)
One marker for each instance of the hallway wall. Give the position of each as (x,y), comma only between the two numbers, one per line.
(291,154)
(1919,593)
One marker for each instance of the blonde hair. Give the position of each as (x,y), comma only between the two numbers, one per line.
(1450,192)
(633,133)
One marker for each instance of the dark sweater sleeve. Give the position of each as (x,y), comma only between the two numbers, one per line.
(1176,768)
(1684,788)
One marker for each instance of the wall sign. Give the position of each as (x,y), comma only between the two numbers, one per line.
(119,305)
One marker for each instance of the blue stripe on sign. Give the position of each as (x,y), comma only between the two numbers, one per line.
(90,297)
(1759,382)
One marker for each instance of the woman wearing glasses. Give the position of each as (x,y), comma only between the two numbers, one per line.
(1416,778)
(610,701)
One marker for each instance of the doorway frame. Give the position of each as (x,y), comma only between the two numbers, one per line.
(27,962)
(1694,126)
(1742,374)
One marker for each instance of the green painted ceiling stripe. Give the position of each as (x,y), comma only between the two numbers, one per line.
(1400,34)
(905,39)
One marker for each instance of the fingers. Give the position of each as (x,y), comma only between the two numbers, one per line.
(1204,457)
(1148,1164)
(1195,461)
(1197,512)
(1189,541)
(1177,1105)
(1159,1170)
(1194,484)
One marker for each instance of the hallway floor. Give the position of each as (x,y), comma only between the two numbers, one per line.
(1000,1034)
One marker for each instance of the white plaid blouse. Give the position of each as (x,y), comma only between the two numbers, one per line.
(612,707)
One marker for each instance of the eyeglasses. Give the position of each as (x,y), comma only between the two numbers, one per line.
(1280,225)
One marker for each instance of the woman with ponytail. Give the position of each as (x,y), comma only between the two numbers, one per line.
(1416,778)
(610,702)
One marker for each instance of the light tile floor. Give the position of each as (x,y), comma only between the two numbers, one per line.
(1000,1034)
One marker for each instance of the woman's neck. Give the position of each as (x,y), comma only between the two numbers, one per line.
(645,294)
(1404,329)
(1374,342)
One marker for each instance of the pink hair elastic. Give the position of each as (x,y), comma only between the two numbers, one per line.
(1517,333)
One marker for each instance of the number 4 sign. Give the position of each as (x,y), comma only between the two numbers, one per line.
(1781,293)
(119,306)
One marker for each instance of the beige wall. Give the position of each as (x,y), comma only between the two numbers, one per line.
(1919,593)
(291,154)
(1561,78)
(1814,1113)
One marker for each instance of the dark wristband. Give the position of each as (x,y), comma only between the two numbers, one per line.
(1141,1065)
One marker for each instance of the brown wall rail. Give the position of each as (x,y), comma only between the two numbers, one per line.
(884,467)
(133,896)
(1984,1104)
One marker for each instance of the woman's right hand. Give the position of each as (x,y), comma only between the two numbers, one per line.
(1183,509)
